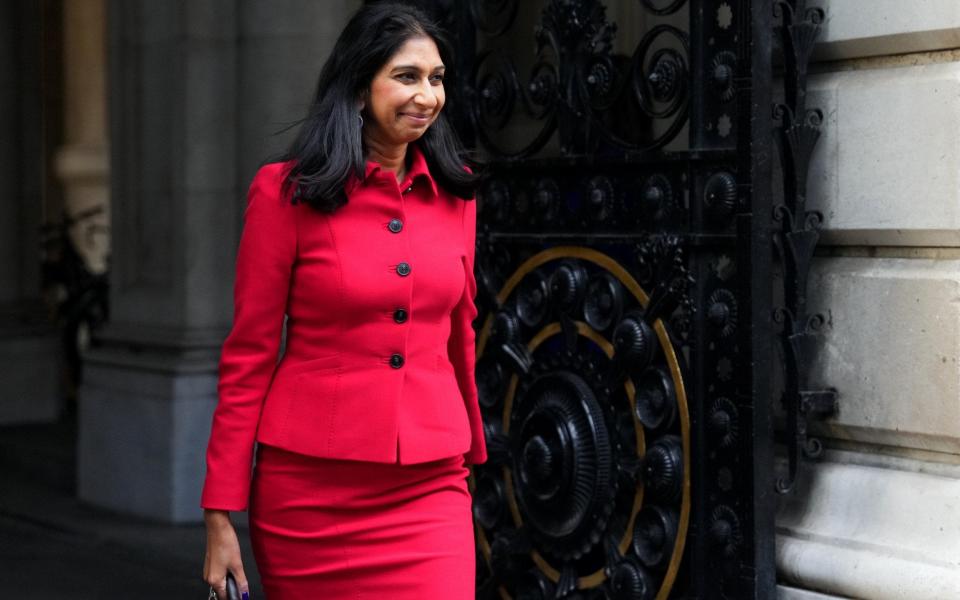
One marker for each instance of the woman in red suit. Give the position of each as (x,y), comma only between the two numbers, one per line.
(362,238)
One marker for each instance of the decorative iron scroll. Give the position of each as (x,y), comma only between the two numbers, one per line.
(596,100)
(797,235)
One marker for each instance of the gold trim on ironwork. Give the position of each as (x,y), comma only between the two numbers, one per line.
(602,260)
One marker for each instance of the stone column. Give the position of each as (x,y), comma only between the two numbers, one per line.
(195,90)
(81,162)
(283,45)
(148,391)
(29,348)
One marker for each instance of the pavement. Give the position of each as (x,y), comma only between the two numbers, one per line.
(54,547)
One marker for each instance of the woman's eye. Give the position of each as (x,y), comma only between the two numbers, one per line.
(437,79)
(406,77)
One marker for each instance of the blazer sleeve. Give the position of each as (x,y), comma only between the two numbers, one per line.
(247,362)
(461,346)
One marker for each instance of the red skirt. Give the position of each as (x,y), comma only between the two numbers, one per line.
(338,529)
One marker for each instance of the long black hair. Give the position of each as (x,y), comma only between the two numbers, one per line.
(329,146)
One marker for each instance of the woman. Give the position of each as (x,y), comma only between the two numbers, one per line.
(363,237)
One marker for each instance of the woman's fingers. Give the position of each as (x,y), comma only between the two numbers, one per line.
(217,579)
(211,573)
(217,582)
(221,589)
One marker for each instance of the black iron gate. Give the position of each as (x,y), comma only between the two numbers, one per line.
(625,264)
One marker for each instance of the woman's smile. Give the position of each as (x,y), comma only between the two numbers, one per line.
(418,118)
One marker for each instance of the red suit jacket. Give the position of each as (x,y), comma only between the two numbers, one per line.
(379,356)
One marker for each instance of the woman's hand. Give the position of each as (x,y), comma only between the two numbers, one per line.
(223,554)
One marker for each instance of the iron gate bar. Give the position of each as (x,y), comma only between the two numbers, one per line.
(690,240)
(755,248)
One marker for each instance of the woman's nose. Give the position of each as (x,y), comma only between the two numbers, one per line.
(426,97)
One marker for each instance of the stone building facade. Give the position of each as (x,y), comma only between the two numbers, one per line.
(879,516)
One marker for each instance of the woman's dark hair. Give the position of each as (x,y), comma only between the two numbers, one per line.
(329,146)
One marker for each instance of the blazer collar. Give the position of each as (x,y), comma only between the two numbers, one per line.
(418,169)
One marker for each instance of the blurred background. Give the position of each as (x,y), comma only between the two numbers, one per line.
(128,134)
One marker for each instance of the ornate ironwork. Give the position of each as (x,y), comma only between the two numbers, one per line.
(624,297)
(797,235)
(591,430)
(578,87)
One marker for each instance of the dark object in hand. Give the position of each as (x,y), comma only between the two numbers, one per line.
(233,590)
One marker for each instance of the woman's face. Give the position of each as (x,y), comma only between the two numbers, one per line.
(406,94)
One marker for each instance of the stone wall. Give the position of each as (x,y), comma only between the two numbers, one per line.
(879,516)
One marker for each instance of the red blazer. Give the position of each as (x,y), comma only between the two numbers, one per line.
(379,356)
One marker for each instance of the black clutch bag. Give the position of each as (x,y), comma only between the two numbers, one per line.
(233,590)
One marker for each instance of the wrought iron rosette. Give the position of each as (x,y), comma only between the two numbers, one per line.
(506,327)
(542,89)
(656,200)
(724,424)
(635,342)
(656,400)
(533,299)
(663,471)
(563,475)
(568,286)
(497,91)
(725,532)
(601,82)
(604,302)
(600,201)
(545,202)
(630,581)
(660,76)
(587,490)
(720,195)
(491,382)
(489,502)
(722,312)
(654,534)
(723,70)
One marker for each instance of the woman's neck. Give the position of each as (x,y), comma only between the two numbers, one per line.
(391,158)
